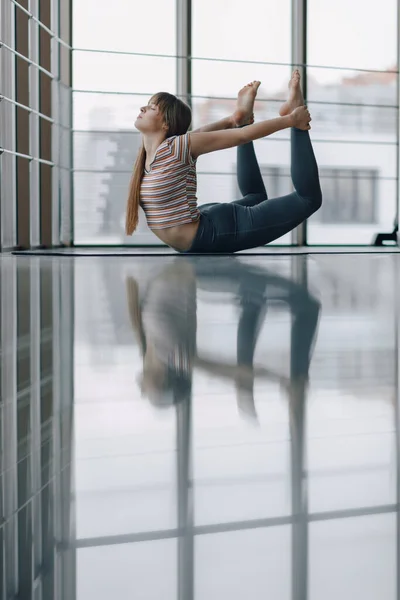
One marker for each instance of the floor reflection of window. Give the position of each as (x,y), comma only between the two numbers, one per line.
(349,545)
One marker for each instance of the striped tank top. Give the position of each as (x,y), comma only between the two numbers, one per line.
(168,190)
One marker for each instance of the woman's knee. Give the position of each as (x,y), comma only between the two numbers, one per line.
(254,199)
(313,200)
(317,199)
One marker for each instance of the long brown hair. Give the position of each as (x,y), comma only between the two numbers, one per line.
(177,116)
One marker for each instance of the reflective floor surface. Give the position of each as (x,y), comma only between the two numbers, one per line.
(200,428)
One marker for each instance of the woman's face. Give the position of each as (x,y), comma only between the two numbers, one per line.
(150,119)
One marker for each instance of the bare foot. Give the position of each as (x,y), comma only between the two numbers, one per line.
(295,95)
(243,114)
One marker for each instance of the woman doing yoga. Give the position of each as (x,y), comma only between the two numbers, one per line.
(164,177)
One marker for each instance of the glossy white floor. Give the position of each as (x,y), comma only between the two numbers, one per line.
(204,428)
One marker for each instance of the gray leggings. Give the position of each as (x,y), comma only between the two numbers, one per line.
(254,220)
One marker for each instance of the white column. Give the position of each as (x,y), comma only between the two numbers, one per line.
(185,518)
(299,60)
(34,148)
(184,49)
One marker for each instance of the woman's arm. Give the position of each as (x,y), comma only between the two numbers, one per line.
(227,123)
(203,143)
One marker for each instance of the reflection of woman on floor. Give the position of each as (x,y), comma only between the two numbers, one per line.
(164,319)
(256,288)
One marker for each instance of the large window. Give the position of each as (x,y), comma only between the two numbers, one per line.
(351,92)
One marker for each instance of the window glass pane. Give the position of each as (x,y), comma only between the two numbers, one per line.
(110,88)
(355,35)
(354,112)
(125,26)
(261,32)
